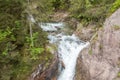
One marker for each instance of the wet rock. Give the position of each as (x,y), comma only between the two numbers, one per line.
(63,65)
(100,60)
(49,73)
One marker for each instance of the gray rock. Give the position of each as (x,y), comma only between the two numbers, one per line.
(100,61)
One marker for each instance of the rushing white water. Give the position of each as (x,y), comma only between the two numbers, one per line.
(69,47)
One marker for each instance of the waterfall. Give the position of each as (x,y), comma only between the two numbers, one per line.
(69,47)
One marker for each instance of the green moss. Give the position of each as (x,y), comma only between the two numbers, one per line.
(100,46)
(116,27)
(90,51)
(118,74)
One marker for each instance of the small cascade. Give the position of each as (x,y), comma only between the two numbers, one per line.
(69,47)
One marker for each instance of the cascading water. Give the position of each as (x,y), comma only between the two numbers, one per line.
(69,47)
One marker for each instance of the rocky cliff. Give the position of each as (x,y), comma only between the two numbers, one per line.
(43,73)
(101,60)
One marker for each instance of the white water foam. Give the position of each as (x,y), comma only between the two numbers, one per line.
(69,47)
(51,26)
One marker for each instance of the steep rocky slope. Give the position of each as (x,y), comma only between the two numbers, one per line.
(43,73)
(101,60)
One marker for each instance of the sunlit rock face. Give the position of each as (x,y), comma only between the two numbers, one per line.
(101,60)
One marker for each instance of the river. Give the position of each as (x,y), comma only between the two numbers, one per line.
(69,46)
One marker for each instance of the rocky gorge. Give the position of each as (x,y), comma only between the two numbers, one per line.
(100,60)
(60,40)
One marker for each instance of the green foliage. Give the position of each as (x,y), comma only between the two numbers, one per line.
(5,52)
(90,11)
(7,6)
(35,52)
(17,56)
(116,27)
(77,6)
(42,10)
(115,5)
(60,4)
(90,51)
(31,40)
(118,74)
(4,33)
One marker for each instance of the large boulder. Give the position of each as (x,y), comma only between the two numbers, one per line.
(101,60)
(85,33)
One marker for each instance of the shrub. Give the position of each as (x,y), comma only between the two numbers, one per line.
(115,5)
(90,11)
(15,56)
